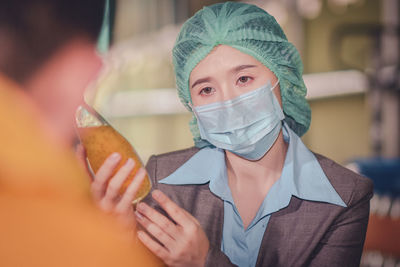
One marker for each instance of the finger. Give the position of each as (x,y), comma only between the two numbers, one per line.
(160,220)
(173,210)
(118,179)
(126,201)
(155,231)
(155,247)
(103,174)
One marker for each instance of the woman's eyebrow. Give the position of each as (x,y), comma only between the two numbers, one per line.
(202,80)
(242,67)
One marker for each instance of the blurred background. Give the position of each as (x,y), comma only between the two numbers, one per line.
(350,51)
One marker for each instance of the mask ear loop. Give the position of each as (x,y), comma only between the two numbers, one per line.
(193,110)
(197,119)
(276,102)
(273,87)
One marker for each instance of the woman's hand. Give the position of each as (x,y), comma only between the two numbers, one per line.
(183,243)
(105,187)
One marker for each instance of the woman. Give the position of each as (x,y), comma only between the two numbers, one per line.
(249,193)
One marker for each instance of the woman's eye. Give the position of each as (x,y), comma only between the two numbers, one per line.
(207,91)
(244,79)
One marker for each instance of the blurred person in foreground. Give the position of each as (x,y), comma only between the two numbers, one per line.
(249,193)
(48,218)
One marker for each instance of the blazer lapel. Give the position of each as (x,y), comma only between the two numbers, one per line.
(211,216)
(280,236)
(294,232)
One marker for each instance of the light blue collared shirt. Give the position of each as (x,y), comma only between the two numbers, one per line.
(302,176)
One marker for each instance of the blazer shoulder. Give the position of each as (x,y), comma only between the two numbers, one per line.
(349,185)
(162,165)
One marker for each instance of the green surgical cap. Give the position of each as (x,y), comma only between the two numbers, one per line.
(253,31)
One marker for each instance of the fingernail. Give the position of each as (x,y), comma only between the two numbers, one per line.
(129,162)
(115,156)
(138,215)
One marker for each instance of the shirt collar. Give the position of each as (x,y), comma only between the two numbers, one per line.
(302,176)
(207,164)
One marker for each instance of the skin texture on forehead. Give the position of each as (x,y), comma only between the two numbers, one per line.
(226,73)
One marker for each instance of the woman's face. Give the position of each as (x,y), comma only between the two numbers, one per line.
(227,73)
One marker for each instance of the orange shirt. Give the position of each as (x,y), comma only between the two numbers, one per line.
(47,217)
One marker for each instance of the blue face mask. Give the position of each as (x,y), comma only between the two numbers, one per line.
(247,125)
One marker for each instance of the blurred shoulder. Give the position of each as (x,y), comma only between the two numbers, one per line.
(349,185)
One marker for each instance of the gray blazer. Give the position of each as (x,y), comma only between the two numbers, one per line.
(305,233)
